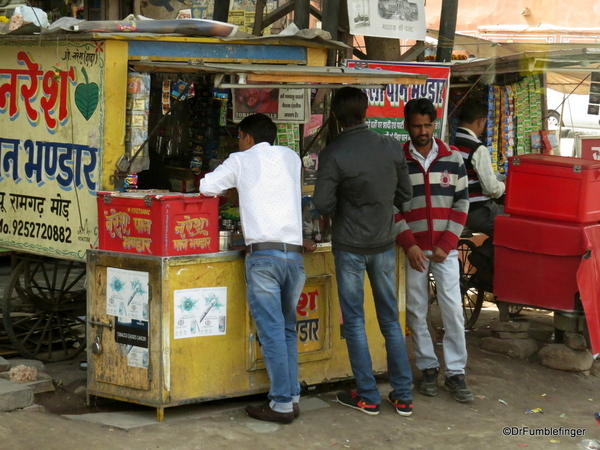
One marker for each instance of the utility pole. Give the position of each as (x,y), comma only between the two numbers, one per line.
(447,30)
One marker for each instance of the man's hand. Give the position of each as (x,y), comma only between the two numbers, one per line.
(416,258)
(438,255)
(309,245)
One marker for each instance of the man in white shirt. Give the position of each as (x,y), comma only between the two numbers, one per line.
(483,184)
(267,178)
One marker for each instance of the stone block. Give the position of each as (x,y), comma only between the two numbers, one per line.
(513,348)
(4,365)
(14,362)
(575,341)
(14,396)
(561,357)
(511,326)
(511,334)
(42,384)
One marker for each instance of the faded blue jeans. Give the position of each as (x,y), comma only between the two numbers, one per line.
(350,274)
(274,282)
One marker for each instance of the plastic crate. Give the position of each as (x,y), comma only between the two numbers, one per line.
(158,224)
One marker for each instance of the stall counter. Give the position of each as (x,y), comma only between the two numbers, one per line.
(167,331)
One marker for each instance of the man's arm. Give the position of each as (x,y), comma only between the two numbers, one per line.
(482,164)
(404,187)
(219,180)
(325,198)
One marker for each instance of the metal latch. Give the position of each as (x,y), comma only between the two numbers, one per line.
(516,161)
(576,168)
(107,199)
(96,323)
(148,200)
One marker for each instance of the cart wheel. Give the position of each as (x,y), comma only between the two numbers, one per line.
(44,307)
(472,301)
(472,297)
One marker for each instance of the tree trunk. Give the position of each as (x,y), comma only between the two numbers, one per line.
(382,49)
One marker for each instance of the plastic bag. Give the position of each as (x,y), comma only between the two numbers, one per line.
(34,15)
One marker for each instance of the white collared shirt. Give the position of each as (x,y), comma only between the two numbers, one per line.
(424,161)
(269,187)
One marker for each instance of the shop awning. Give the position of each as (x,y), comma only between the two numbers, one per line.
(286,76)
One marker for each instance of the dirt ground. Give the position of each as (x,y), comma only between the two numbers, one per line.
(508,392)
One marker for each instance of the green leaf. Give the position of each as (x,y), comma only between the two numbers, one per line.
(86,97)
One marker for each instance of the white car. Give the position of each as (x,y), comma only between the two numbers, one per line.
(572,111)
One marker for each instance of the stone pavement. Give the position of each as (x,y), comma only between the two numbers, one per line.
(511,394)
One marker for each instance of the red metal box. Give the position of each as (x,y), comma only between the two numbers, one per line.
(158,224)
(554,187)
(536,261)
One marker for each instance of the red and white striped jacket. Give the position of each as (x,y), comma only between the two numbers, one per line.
(437,212)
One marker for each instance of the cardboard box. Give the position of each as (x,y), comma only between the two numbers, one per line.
(158,224)
(554,187)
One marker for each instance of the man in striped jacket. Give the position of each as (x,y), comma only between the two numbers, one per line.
(429,227)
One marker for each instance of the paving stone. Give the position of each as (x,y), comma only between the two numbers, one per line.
(14,395)
(575,341)
(512,326)
(561,357)
(511,334)
(513,348)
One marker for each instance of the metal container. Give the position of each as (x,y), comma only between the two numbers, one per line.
(224,241)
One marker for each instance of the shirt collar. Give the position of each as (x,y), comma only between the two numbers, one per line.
(415,153)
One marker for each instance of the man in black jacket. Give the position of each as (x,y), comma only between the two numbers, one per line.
(361,176)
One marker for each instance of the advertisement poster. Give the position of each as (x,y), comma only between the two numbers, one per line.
(281,105)
(200,312)
(51,128)
(127,293)
(385,114)
(400,19)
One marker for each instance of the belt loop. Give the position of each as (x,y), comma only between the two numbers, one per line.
(284,247)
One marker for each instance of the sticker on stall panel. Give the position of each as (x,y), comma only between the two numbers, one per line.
(200,312)
(127,293)
(137,357)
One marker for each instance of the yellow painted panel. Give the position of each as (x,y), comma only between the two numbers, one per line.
(115,94)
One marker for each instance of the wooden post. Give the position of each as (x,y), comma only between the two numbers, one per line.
(301,13)
(331,17)
(221,10)
(447,30)
(258,17)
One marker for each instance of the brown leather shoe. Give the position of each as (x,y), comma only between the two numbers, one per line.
(264,412)
(296,407)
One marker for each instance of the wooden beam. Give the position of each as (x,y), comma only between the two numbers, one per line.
(414,52)
(221,10)
(277,14)
(331,17)
(447,30)
(258,17)
(301,13)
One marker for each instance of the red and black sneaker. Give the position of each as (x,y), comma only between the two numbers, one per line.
(403,407)
(353,400)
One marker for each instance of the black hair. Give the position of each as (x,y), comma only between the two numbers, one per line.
(472,110)
(349,106)
(421,106)
(260,127)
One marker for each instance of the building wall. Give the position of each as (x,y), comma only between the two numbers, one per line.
(530,14)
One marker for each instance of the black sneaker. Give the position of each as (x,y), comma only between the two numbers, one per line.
(352,400)
(403,407)
(428,384)
(457,386)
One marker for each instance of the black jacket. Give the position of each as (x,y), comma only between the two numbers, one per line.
(361,176)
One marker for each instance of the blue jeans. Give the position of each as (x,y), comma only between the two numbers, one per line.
(274,282)
(350,274)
